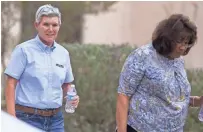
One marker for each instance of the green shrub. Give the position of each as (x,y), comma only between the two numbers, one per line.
(96,70)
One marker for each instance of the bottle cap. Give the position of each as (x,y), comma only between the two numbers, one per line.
(72,90)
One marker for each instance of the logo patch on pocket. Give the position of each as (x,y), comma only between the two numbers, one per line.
(61,66)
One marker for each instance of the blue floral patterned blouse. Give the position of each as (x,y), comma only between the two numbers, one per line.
(158,89)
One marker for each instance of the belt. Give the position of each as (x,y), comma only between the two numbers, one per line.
(41,112)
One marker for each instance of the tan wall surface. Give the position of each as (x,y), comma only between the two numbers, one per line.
(133,23)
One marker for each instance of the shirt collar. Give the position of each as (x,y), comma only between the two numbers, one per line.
(44,46)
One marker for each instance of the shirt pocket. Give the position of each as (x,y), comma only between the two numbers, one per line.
(59,72)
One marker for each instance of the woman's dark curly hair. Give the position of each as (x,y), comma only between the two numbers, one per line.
(176,29)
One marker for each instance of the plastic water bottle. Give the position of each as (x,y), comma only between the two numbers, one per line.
(69,108)
(200,116)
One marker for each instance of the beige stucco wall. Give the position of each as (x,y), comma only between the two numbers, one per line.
(133,23)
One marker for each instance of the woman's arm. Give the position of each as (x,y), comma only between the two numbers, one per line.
(122,112)
(10,94)
(130,78)
(196,101)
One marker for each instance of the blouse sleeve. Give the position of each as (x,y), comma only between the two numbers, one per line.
(132,73)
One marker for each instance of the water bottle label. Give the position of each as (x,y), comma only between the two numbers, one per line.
(70,95)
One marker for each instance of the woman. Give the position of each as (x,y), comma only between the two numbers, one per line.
(154,92)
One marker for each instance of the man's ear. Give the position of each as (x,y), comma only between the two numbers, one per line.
(36,25)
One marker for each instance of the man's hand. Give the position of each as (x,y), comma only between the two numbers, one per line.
(75,101)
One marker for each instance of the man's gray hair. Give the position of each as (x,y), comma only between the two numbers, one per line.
(47,10)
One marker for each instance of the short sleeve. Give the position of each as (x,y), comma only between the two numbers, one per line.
(131,74)
(17,63)
(69,74)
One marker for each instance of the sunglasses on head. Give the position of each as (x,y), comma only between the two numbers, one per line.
(47,9)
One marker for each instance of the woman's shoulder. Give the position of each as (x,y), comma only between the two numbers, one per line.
(143,52)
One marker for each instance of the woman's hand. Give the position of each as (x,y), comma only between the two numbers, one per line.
(196,101)
(201,100)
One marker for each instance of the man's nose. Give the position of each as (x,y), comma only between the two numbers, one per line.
(51,28)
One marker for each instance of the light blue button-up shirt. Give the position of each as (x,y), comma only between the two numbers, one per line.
(41,71)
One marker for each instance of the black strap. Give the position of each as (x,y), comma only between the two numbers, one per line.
(129,129)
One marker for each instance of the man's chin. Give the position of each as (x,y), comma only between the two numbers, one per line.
(50,41)
(47,40)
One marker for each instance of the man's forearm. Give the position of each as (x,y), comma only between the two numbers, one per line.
(10,100)
(10,94)
(65,88)
(121,112)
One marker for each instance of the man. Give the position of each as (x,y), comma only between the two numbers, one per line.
(38,74)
